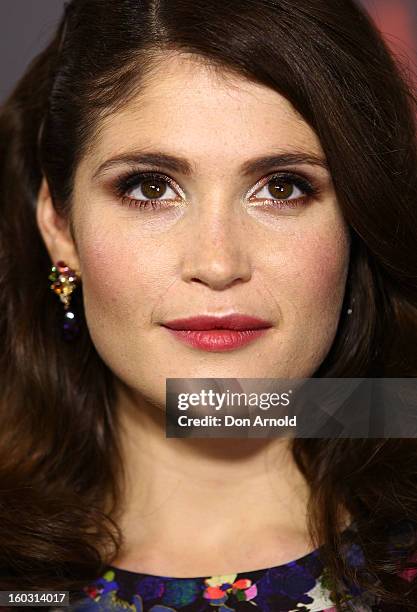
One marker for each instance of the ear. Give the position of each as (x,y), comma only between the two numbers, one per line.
(55,230)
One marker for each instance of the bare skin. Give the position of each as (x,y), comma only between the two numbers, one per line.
(196,507)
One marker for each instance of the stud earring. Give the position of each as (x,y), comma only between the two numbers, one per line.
(350,309)
(65,280)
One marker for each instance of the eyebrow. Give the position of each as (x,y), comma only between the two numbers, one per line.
(183,166)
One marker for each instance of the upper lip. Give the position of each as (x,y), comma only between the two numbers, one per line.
(231,321)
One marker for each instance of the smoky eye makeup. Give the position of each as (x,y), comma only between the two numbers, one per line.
(281,182)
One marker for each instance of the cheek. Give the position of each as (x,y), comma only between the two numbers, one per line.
(119,284)
(308,281)
(306,270)
(321,265)
(315,285)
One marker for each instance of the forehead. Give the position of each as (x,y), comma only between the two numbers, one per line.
(189,107)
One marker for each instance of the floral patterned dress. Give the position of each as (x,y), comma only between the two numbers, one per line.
(301,585)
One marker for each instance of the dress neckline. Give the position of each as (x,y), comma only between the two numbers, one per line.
(345,533)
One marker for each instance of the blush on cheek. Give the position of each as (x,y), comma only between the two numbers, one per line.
(325,264)
(312,311)
(120,285)
(106,277)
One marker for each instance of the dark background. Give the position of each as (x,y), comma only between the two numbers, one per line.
(26,26)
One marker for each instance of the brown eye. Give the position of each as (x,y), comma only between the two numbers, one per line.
(151,190)
(286,190)
(153,187)
(280,189)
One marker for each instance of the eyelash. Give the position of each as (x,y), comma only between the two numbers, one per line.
(133,179)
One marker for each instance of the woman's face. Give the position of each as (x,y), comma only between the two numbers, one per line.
(226,238)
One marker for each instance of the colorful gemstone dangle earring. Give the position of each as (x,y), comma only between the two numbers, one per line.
(65,280)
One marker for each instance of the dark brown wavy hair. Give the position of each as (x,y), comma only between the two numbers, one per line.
(60,461)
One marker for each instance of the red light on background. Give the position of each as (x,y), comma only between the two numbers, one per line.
(397,21)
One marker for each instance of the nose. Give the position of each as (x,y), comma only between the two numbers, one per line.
(216,250)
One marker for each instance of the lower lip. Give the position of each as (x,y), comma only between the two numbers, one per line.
(217,339)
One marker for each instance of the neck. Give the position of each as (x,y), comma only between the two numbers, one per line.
(199,506)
